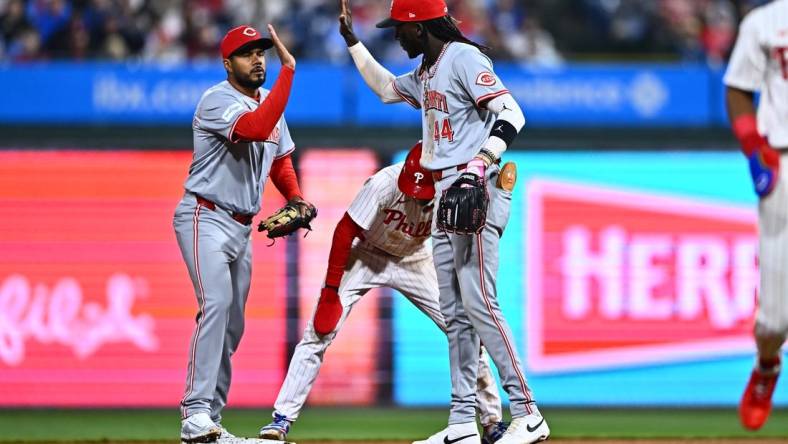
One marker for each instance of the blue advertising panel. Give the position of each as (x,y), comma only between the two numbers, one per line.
(615,95)
(627,279)
(630,95)
(582,95)
(719,109)
(147,93)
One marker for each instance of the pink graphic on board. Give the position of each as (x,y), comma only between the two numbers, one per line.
(619,278)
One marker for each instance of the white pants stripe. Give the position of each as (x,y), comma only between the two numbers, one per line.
(772,315)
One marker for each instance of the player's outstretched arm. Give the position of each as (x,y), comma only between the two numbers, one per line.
(378,78)
(285,57)
(346,23)
(257,125)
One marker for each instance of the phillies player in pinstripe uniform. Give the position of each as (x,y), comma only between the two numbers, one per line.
(380,242)
(760,63)
(469,119)
(240,139)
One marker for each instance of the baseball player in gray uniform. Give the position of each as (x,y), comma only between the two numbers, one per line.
(380,242)
(468,119)
(240,138)
(759,62)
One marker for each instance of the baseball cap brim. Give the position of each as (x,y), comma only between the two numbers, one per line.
(264,43)
(388,23)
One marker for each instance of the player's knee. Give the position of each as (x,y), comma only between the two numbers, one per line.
(217,306)
(236,328)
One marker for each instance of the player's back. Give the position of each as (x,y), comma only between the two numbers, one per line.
(393,223)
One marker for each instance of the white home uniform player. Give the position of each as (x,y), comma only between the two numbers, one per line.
(388,223)
(760,63)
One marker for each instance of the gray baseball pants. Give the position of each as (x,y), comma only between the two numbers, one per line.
(218,254)
(467,267)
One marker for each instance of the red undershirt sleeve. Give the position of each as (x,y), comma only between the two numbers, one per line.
(284,178)
(256,126)
(344,234)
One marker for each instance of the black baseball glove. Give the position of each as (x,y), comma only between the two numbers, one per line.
(298,213)
(463,206)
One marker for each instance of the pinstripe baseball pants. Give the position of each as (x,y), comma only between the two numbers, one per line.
(415,278)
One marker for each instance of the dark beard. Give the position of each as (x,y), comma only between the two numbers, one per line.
(247,82)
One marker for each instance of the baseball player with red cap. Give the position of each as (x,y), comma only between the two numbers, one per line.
(469,119)
(759,62)
(240,139)
(380,242)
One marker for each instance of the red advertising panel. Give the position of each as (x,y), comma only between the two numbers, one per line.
(618,277)
(349,373)
(96,306)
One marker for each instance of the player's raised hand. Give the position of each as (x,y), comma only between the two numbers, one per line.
(346,23)
(285,57)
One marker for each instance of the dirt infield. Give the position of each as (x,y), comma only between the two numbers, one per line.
(605,441)
(551,441)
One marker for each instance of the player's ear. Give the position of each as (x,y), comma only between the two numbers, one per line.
(227,66)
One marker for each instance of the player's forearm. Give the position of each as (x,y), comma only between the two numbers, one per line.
(739,102)
(741,112)
(257,125)
(377,77)
(344,234)
(284,177)
(508,124)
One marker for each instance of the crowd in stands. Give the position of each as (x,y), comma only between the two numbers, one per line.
(543,32)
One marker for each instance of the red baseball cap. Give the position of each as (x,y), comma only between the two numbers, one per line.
(414,11)
(242,36)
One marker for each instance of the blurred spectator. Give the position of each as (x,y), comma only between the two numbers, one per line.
(543,32)
(48,16)
(71,41)
(13,20)
(27,47)
(533,44)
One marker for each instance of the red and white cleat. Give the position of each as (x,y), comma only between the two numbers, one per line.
(756,403)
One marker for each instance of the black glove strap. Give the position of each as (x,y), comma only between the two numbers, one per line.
(469,179)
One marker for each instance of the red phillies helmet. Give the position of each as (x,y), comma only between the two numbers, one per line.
(414,180)
(414,11)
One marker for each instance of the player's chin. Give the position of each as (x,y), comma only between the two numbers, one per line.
(412,52)
(255,80)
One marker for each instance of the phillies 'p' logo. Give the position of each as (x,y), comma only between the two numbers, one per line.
(249,31)
(485,78)
(418,177)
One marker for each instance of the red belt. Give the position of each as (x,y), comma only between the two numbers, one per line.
(438,174)
(244,219)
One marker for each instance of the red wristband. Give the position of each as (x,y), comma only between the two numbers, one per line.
(745,128)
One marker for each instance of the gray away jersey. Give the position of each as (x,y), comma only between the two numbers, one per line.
(454,126)
(232,173)
(392,222)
